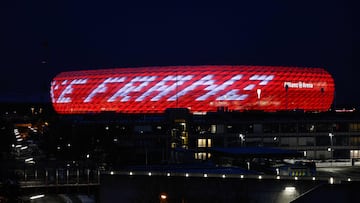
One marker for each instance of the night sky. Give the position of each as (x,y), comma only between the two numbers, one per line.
(39,39)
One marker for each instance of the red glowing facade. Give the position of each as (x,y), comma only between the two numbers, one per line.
(198,88)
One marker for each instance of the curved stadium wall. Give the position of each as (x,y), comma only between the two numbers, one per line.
(199,88)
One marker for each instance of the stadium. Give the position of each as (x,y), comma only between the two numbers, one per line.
(200,89)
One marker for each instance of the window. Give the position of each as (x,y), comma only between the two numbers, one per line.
(202,155)
(213,129)
(204,143)
(354,140)
(354,154)
(201,142)
(354,127)
(208,142)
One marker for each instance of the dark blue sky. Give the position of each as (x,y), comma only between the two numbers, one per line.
(80,35)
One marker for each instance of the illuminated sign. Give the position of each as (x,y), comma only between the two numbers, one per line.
(298,85)
(198,88)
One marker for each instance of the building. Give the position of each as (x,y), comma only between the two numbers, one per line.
(319,136)
(200,89)
(181,113)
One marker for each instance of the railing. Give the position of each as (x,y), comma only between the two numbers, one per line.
(150,173)
(58,177)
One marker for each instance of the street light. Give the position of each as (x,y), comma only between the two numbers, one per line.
(242,138)
(331,144)
(163,198)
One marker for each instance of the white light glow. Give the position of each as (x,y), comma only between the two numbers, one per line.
(163,196)
(37,197)
(131,173)
(64,96)
(102,87)
(290,189)
(131,86)
(29,159)
(199,113)
(205,175)
(241,176)
(331,180)
(168,174)
(186,175)
(223,176)
(149,173)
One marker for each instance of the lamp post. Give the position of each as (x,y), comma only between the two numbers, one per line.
(242,138)
(331,144)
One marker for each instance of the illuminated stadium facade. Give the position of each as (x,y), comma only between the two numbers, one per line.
(162,113)
(200,89)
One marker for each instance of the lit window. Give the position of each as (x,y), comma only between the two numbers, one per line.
(354,154)
(204,143)
(201,142)
(208,142)
(183,126)
(200,155)
(213,129)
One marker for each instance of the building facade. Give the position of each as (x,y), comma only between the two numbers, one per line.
(200,89)
(179,136)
